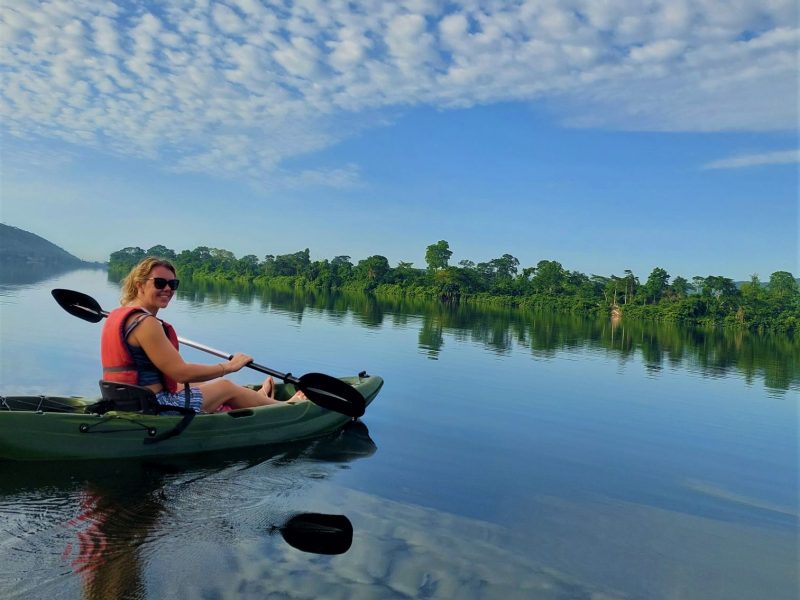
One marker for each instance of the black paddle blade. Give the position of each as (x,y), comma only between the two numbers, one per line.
(332,393)
(318,533)
(79,305)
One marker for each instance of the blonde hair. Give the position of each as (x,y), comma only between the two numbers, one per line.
(139,274)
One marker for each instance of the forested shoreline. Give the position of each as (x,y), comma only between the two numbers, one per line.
(773,306)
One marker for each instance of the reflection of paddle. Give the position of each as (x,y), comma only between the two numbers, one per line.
(318,533)
(323,390)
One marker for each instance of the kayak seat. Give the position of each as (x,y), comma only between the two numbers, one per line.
(126,397)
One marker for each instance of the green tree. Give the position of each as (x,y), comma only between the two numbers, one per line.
(611,290)
(196,262)
(753,288)
(679,287)
(698,284)
(372,270)
(222,262)
(201,255)
(450,284)
(268,266)
(161,252)
(782,284)
(583,288)
(505,267)
(718,287)
(500,273)
(755,307)
(721,294)
(548,277)
(601,286)
(437,255)
(404,273)
(124,260)
(656,285)
(631,285)
(292,264)
(247,266)
(342,269)
(320,273)
(469,278)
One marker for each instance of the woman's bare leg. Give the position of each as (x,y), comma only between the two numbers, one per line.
(218,392)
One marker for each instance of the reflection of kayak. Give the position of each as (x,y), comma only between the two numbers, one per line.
(52,427)
(287,461)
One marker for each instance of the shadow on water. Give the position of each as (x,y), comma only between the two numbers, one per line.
(99,518)
(710,352)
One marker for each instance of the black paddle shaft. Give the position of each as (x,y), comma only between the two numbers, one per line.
(323,390)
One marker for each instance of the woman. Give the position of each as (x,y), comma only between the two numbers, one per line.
(139,348)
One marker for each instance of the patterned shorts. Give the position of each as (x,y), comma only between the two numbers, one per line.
(179,399)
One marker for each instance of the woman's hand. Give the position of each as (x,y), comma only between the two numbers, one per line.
(238,361)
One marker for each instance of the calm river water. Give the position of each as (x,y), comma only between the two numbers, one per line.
(507,456)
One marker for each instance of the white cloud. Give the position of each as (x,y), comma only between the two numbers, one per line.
(454,29)
(14,25)
(658,51)
(227,20)
(756,160)
(409,43)
(349,49)
(298,57)
(338,178)
(106,38)
(236,87)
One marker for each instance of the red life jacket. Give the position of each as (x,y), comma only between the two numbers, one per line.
(118,364)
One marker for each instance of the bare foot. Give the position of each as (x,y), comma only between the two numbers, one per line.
(296,398)
(268,388)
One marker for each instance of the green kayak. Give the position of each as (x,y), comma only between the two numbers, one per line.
(60,428)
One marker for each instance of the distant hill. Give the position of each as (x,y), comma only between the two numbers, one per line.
(20,247)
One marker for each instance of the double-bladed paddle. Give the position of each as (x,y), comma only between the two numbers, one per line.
(323,390)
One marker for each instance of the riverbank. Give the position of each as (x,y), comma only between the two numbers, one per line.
(713,301)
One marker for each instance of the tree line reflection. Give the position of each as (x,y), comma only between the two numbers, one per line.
(711,352)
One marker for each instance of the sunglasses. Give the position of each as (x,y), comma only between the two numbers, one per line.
(161,283)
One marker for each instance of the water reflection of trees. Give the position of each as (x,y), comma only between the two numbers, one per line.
(711,352)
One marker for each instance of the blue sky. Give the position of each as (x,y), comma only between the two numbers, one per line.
(607,136)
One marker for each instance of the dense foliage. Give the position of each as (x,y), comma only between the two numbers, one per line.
(713,299)
(660,346)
